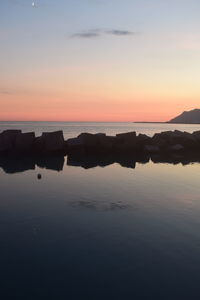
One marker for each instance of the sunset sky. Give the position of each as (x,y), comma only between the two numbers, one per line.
(99,60)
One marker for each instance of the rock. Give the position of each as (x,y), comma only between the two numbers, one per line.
(159,141)
(176,148)
(11,133)
(95,143)
(5,143)
(126,142)
(196,135)
(185,139)
(38,145)
(53,141)
(74,142)
(167,138)
(106,143)
(100,134)
(100,144)
(24,141)
(75,145)
(89,139)
(126,147)
(143,139)
(151,149)
(164,136)
(127,136)
(7,139)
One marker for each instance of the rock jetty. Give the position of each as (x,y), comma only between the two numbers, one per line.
(23,151)
(16,142)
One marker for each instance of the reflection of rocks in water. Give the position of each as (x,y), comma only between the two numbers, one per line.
(176,159)
(12,164)
(126,163)
(51,162)
(129,161)
(16,164)
(20,163)
(101,206)
(91,161)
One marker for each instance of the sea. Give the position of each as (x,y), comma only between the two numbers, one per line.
(72,129)
(105,231)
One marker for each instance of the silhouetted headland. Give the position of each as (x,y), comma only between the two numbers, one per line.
(23,151)
(187,117)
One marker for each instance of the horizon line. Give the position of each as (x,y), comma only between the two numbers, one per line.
(79,121)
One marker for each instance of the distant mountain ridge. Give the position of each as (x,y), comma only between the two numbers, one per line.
(187,117)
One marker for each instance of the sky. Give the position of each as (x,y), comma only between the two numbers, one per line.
(99,60)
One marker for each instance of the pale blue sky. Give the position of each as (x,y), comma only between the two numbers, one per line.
(143,44)
(48,26)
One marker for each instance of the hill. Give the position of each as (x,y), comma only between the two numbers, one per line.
(187,117)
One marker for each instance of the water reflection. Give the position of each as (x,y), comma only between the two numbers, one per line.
(116,228)
(51,162)
(101,206)
(129,161)
(12,165)
(92,161)
(15,164)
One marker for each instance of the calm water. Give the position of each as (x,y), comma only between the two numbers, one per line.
(99,233)
(72,129)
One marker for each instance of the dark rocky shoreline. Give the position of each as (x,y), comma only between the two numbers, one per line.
(22,151)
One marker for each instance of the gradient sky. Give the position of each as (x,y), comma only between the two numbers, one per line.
(99,60)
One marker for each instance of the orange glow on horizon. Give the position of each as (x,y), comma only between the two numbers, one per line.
(18,108)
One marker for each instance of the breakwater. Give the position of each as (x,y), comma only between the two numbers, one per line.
(16,142)
(23,151)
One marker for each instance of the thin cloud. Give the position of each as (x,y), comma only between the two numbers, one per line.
(102,32)
(86,35)
(10,91)
(6,92)
(119,32)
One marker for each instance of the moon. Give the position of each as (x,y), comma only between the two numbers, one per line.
(33,4)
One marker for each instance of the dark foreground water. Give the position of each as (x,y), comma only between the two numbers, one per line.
(99,233)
